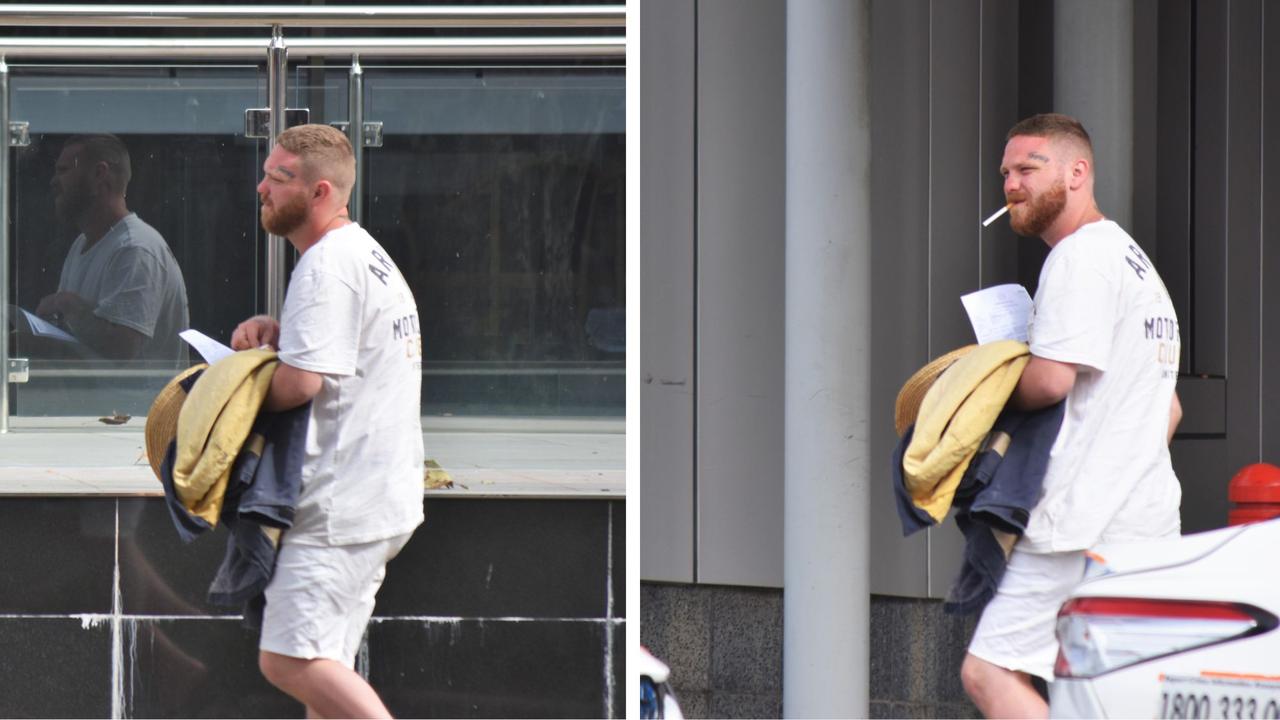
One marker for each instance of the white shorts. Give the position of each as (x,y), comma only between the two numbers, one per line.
(320,598)
(1016,631)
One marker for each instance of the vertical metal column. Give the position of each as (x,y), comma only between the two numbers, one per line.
(355,129)
(1097,88)
(826,616)
(4,246)
(277,75)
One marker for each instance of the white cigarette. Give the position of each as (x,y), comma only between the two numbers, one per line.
(995,215)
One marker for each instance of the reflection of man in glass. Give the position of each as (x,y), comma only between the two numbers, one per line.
(121,292)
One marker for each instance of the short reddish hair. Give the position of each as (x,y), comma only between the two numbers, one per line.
(1054,126)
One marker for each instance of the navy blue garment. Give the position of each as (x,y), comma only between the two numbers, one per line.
(913,518)
(258,504)
(994,500)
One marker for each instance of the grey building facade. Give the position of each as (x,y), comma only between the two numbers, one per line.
(1176,95)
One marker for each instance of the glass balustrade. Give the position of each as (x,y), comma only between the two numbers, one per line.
(133,216)
(499,190)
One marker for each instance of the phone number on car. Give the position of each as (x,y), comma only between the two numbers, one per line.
(1204,705)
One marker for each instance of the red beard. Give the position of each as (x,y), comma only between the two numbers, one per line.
(1032,218)
(284,219)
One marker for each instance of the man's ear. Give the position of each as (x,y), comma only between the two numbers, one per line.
(324,189)
(1079,173)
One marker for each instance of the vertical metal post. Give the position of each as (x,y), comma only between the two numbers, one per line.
(277,75)
(826,617)
(355,128)
(4,246)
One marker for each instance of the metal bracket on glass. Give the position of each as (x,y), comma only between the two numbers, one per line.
(19,133)
(257,121)
(19,370)
(372,131)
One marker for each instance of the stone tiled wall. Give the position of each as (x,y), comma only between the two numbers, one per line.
(724,647)
(496,608)
(916,651)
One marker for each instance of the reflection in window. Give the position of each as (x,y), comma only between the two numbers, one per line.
(185,252)
(501,192)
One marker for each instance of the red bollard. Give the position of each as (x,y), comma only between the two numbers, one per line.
(1255,493)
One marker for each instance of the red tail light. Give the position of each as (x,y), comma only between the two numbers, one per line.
(1097,635)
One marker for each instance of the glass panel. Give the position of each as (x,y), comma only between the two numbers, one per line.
(186,249)
(501,194)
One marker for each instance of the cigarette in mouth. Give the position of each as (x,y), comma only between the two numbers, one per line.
(995,215)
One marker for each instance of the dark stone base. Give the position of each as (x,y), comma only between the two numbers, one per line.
(724,647)
(495,608)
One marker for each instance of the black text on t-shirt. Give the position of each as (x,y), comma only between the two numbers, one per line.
(1138,262)
(380,273)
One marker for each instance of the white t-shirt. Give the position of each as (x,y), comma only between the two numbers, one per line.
(1102,305)
(132,279)
(350,316)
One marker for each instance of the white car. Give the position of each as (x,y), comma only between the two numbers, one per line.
(1176,628)
(656,698)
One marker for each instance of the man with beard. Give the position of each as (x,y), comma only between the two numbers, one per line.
(121,292)
(349,343)
(1104,338)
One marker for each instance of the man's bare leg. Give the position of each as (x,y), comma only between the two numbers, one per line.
(1001,693)
(328,688)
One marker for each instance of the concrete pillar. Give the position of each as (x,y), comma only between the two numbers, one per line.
(826,636)
(1093,81)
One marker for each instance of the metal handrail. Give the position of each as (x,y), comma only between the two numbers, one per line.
(277,85)
(254,48)
(355,126)
(43,14)
(4,246)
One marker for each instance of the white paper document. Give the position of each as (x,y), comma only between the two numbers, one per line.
(211,350)
(999,313)
(30,322)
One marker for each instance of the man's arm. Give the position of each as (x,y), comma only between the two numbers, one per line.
(1175,415)
(104,337)
(291,387)
(1043,383)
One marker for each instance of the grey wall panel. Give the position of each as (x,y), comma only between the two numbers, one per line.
(1244,233)
(1204,406)
(997,106)
(1269,392)
(1207,325)
(741,142)
(1145,84)
(1171,244)
(1035,95)
(1096,87)
(998,111)
(667,82)
(955,210)
(1202,469)
(900,266)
